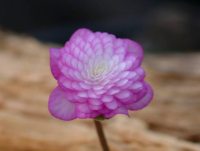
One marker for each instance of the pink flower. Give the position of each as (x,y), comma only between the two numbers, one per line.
(98,75)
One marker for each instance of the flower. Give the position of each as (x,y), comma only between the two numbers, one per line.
(98,75)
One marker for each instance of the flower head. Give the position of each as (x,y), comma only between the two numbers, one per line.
(98,75)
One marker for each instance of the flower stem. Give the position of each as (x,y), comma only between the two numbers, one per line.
(101,135)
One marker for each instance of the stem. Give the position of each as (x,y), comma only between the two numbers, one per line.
(101,135)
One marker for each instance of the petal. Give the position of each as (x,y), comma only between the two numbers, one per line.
(124,74)
(126,97)
(113,91)
(60,107)
(121,83)
(106,38)
(95,102)
(92,95)
(120,110)
(107,99)
(144,101)
(111,105)
(131,61)
(83,108)
(137,86)
(82,33)
(123,94)
(82,94)
(54,57)
(83,115)
(135,49)
(95,107)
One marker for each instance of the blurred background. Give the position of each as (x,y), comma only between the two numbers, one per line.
(166,25)
(169,30)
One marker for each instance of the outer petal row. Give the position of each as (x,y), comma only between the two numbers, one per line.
(124,90)
(60,107)
(144,101)
(54,56)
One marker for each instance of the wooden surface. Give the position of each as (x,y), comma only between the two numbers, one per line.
(170,123)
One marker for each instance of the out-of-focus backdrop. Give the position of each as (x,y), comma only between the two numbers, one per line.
(170,25)
(169,32)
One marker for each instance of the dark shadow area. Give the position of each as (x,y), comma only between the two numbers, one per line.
(167,25)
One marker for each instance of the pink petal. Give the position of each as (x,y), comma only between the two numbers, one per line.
(95,102)
(126,97)
(136,87)
(60,107)
(123,94)
(83,115)
(83,108)
(107,99)
(81,93)
(135,49)
(111,105)
(144,101)
(113,91)
(120,110)
(83,33)
(95,107)
(54,55)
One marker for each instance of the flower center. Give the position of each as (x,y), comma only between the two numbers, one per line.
(98,68)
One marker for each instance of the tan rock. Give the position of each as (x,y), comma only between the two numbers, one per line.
(25,124)
(176,106)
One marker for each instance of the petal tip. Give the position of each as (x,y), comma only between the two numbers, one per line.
(60,107)
(54,55)
(143,102)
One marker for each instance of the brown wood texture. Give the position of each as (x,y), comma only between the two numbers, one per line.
(170,123)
